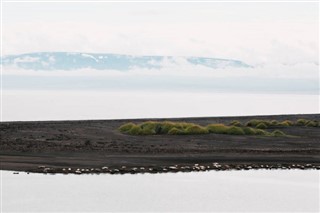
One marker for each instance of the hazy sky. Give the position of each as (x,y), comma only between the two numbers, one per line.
(257,33)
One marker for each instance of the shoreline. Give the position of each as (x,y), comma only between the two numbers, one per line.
(93,144)
(169,169)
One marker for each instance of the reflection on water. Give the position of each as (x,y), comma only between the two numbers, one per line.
(76,105)
(234,191)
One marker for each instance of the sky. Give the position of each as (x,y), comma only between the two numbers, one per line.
(278,40)
(257,33)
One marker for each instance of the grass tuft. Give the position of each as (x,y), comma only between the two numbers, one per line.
(217,128)
(234,130)
(301,122)
(196,130)
(175,131)
(236,123)
(278,133)
(126,127)
(183,128)
(249,131)
(311,124)
(261,126)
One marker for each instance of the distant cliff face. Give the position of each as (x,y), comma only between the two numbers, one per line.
(73,61)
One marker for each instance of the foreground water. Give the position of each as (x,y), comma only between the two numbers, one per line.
(231,191)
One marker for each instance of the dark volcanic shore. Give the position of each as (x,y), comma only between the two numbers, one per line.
(96,146)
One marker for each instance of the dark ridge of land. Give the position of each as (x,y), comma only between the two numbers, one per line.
(88,146)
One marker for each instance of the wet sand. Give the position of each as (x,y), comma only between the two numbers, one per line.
(96,146)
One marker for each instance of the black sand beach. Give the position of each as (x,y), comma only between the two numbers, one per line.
(97,146)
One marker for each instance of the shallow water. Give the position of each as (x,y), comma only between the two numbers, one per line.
(227,191)
(18,105)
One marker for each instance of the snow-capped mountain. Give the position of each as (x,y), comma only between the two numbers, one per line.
(72,61)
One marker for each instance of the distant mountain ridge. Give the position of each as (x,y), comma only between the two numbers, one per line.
(103,61)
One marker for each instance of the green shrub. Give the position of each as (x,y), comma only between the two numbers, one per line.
(126,127)
(235,123)
(149,125)
(217,128)
(301,122)
(234,130)
(286,123)
(196,129)
(253,122)
(261,132)
(274,123)
(147,131)
(183,128)
(312,124)
(261,126)
(166,126)
(185,125)
(135,130)
(278,133)
(150,128)
(249,131)
(175,131)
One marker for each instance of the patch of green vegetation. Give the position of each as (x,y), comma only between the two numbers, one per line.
(274,123)
(261,126)
(196,130)
(175,131)
(311,124)
(234,130)
(262,132)
(166,126)
(286,123)
(184,128)
(278,133)
(217,128)
(301,122)
(236,123)
(126,127)
(264,124)
(253,123)
(249,131)
(135,130)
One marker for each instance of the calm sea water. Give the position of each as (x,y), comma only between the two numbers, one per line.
(19,105)
(232,191)
(241,191)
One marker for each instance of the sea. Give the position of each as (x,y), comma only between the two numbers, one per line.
(213,191)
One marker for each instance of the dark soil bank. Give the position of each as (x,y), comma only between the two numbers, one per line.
(97,146)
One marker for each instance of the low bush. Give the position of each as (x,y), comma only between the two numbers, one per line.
(217,128)
(183,128)
(301,122)
(126,127)
(278,133)
(286,123)
(262,132)
(261,126)
(135,130)
(234,130)
(249,131)
(312,124)
(196,130)
(274,123)
(175,131)
(166,126)
(253,123)
(235,123)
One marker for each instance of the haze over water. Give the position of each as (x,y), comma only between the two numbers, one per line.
(159,60)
